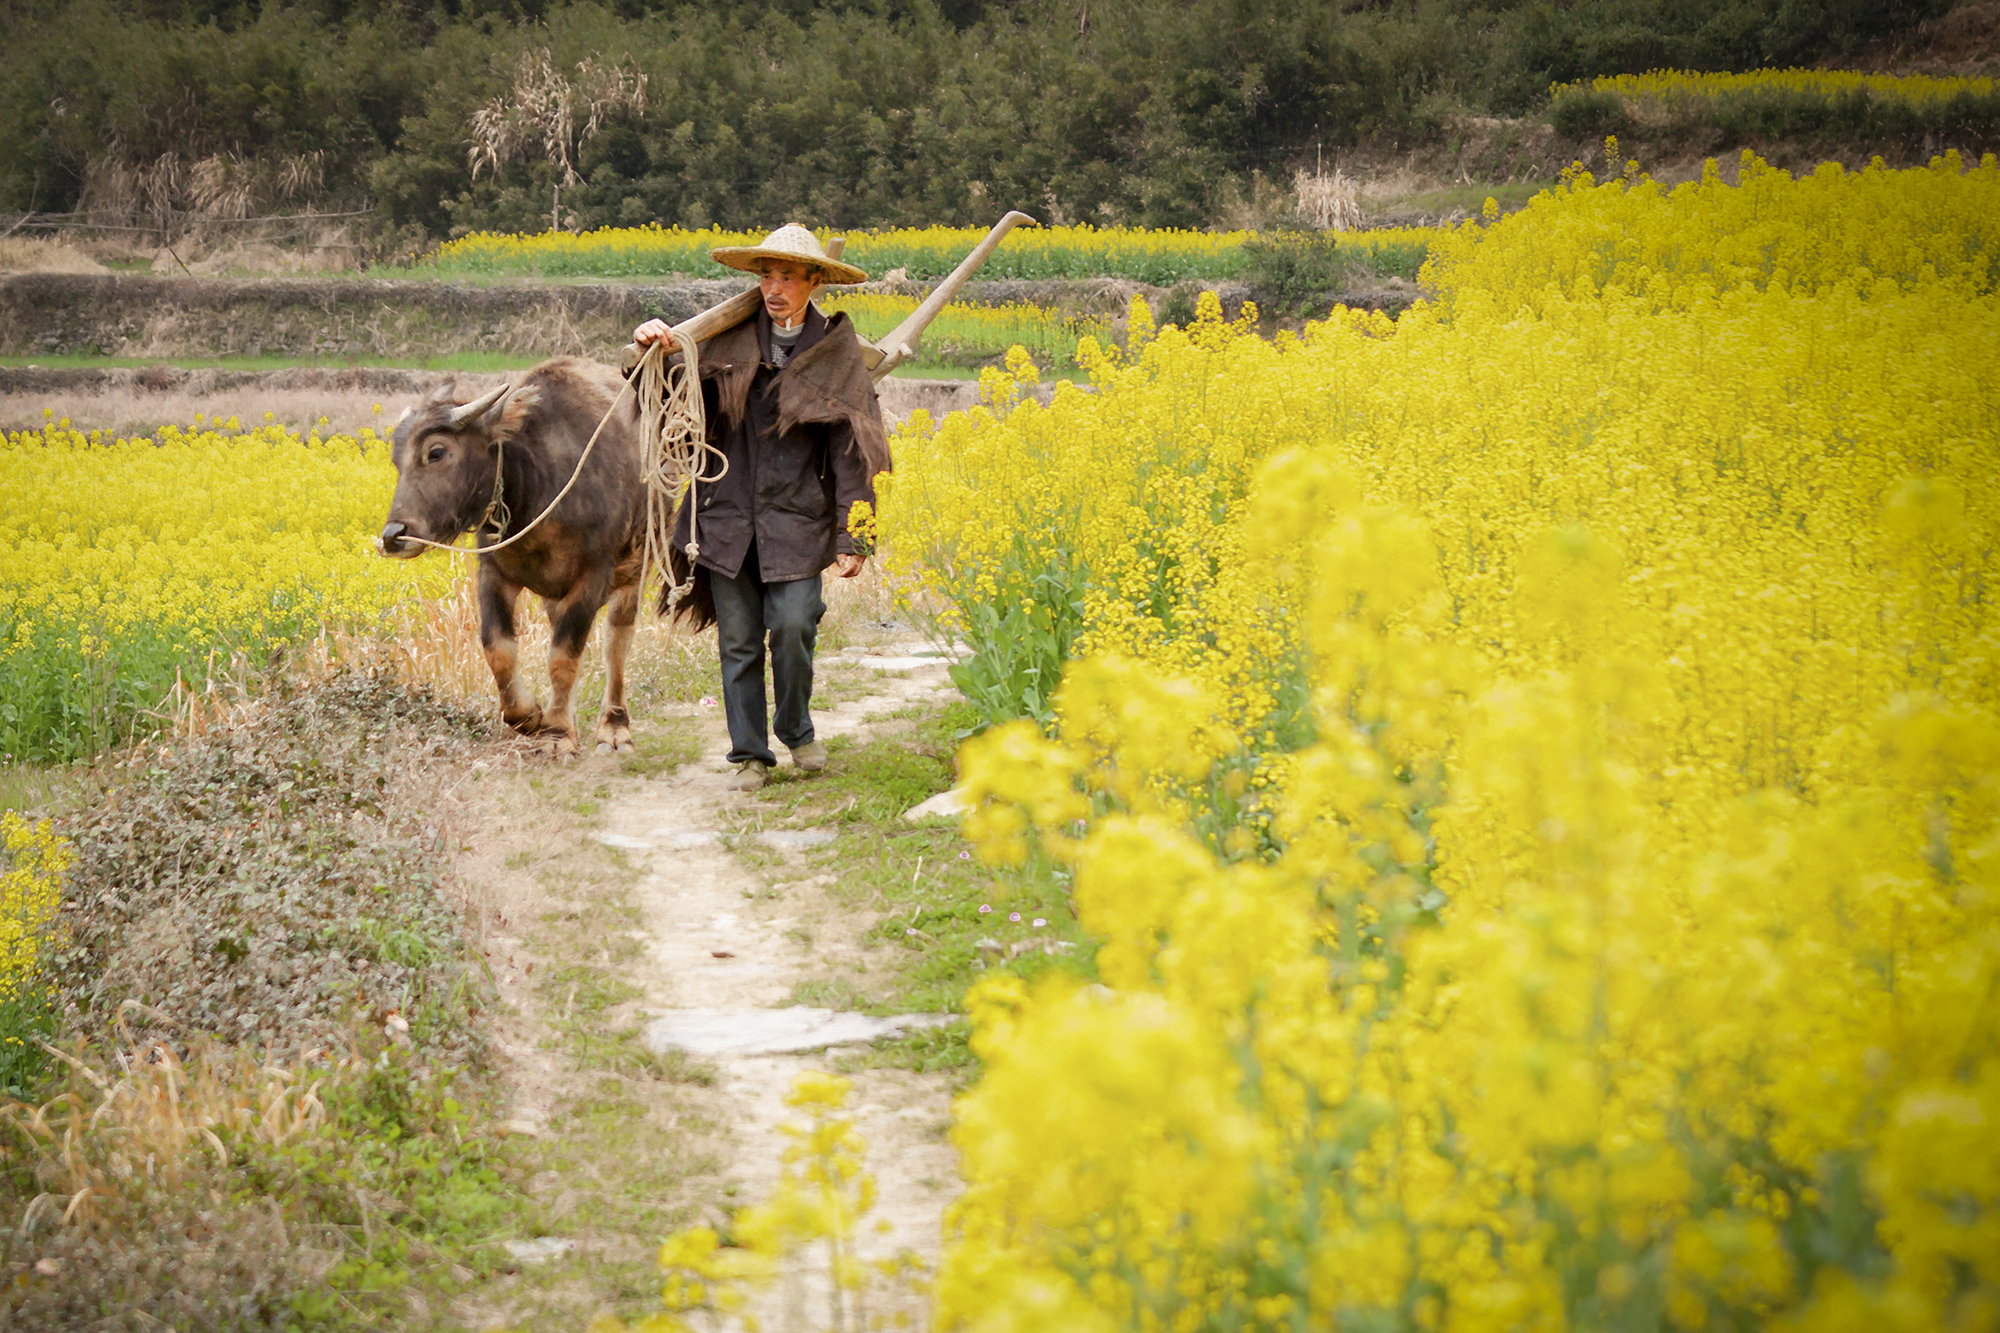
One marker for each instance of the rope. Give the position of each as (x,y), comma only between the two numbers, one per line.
(673,448)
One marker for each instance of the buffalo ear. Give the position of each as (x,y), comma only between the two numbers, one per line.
(514,412)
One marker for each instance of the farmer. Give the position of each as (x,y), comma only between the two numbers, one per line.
(792,407)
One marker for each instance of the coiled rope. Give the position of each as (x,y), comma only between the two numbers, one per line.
(673,449)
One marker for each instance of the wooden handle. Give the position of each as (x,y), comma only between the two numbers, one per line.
(897,345)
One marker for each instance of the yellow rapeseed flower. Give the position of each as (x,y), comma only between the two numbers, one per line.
(124,563)
(1531,766)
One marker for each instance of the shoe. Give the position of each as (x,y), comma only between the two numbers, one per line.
(809,758)
(750,775)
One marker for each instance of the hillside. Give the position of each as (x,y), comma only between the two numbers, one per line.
(420,123)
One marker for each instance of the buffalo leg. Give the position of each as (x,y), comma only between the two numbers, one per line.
(621,615)
(569,630)
(497,597)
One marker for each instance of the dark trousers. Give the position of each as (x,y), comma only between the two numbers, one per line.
(746,610)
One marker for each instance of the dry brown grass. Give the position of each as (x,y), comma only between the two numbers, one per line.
(205,1191)
(111,1140)
(436,644)
(329,252)
(29,254)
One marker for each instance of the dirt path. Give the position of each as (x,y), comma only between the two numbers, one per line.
(703,926)
(726,942)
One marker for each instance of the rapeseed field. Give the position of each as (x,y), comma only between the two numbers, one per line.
(1534,770)
(32,863)
(127,565)
(1894,112)
(963,333)
(1162,256)
(1672,86)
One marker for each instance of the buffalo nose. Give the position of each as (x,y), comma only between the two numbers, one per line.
(392,536)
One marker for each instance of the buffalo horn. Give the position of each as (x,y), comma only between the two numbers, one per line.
(478,406)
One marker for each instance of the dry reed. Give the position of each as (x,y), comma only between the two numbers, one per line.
(1328,202)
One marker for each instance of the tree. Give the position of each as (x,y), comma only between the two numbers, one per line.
(543,104)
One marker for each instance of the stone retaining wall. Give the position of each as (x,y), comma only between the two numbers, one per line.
(53,314)
(137,315)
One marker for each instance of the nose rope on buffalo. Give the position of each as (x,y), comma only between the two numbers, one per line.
(673,447)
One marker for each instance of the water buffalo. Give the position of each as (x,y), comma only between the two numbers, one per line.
(582,556)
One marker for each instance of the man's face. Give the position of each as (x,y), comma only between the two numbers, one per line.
(787,287)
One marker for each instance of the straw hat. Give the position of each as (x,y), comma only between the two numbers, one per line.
(791,242)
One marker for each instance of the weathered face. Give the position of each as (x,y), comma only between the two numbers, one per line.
(786,287)
(444,476)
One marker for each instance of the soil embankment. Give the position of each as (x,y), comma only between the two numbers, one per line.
(129,315)
(62,314)
(140,400)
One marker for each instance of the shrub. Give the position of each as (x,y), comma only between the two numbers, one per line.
(276,881)
(1588,114)
(1297,272)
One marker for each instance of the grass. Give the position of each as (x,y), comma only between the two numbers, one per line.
(1860,111)
(939,1050)
(1467,199)
(355,1214)
(1156,256)
(835,993)
(973,335)
(42,791)
(932,370)
(660,750)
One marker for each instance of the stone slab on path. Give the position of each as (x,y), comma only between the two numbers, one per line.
(540,1250)
(773,1031)
(948,804)
(796,840)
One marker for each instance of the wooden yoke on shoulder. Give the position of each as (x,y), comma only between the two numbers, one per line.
(894,348)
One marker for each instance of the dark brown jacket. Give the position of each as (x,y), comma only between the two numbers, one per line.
(803,444)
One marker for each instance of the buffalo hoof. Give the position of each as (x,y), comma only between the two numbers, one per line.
(528,723)
(614,736)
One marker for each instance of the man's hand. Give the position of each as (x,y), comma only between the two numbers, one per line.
(848,566)
(652,331)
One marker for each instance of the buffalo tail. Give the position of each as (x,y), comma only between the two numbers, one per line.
(696,610)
